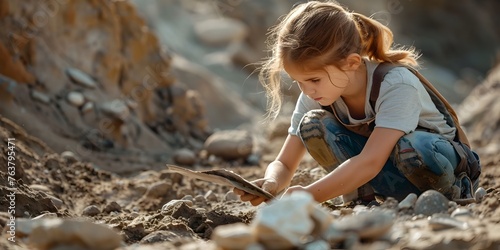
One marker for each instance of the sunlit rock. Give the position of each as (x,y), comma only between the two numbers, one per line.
(287,222)
(233,236)
(431,202)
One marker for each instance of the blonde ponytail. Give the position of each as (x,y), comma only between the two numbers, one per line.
(377,41)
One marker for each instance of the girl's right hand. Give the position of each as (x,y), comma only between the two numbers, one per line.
(268,184)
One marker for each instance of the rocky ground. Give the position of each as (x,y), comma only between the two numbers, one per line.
(159,210)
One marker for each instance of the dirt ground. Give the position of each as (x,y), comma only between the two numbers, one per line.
(132,205)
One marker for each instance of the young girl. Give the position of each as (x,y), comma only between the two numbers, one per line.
(332,54)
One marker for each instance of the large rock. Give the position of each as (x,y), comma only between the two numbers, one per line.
(230,144)
(221,31)
(285,223)
(49,233)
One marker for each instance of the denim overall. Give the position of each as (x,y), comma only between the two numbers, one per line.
(420,160)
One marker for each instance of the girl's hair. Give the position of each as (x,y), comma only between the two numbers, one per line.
(316,34)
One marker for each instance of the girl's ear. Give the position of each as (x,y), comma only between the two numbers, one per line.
(352,62)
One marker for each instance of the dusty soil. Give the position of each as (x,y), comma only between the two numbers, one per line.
(51,183)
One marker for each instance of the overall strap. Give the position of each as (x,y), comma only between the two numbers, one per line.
(378,77)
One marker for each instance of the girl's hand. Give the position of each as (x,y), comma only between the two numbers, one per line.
(294,189)
(269,185)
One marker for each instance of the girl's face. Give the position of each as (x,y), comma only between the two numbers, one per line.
(324,86)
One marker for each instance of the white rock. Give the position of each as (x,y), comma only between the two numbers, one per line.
(116,108)
(211,196)
(317,245)
(233,236)
(81,78)
(479,194)
(284,223)
(76,98)
(220,31)
(40,97)
(87,107)
(173,203)
(408,202)
(51,232)
(42,188)
(45,216)
(461,212)
(367,225)
(442,221)
(187,198)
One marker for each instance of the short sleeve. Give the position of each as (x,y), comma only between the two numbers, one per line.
(398,107)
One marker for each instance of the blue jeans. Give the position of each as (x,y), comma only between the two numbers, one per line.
(420,160)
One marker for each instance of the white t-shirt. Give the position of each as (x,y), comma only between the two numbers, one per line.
(403,103)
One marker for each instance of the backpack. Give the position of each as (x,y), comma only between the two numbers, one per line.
(469,162)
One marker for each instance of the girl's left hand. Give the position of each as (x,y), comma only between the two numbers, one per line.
(294,189)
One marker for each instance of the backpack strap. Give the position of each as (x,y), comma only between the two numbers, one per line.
(439,101)
(378,76)
(437,98)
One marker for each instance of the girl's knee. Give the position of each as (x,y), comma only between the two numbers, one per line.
(430,149)
(313,124)
(427,160)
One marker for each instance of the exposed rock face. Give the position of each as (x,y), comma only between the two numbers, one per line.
(99,76)
(479,113)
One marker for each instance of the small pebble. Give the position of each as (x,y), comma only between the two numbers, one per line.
(91,210)
(56,201)
(45,216)
(233,236)
(461,212)
(442,221)
(211,196)
(173,203)
(431,202)
(200,199)
(479,194)
(159,189)
(69,157)
(76,98)
(112,207)
(184,157)
(408,202)
(87,107)
(187,198)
